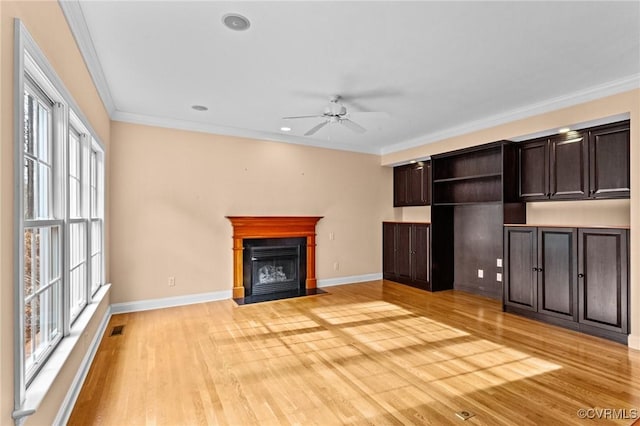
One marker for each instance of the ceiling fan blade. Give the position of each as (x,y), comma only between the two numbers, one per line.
(352,125)
(302,116)
(316,128)
(380,114)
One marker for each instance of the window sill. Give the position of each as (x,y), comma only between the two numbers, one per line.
(46,377)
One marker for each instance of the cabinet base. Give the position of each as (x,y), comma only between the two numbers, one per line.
(576,326)
(417,284)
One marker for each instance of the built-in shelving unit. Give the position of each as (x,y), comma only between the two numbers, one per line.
(468,177)
(474,192)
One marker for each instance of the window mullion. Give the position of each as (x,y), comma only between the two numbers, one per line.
(85,190)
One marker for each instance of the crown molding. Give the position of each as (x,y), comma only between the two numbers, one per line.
(215,129)
(78,25)
(553,104)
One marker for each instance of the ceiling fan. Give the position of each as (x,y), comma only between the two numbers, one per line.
(335,112)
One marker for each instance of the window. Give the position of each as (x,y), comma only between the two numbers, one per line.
(96,198)
(42,242)
(60,215)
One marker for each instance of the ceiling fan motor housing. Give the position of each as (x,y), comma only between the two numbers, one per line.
(335,109)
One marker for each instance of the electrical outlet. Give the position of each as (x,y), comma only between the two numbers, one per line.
(172,281)
(336,266)
(499,277)
(480,273)
(499,263)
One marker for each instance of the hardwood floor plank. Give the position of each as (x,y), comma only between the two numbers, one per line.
(366,354)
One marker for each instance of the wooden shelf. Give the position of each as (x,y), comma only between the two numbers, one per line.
(469,163)
(471,203)
(464,190)
(456,179)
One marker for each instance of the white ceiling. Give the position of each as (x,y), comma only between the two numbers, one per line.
(437,68)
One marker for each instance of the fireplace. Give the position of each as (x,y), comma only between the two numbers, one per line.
(273,265)
(268,238)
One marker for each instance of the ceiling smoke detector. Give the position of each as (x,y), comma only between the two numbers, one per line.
(236,22)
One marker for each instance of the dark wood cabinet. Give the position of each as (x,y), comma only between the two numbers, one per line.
(533,159)
(520,268)
(603,279)
(609,166)
(556,272)
(592,163)
(405,253)
(573,277)
(568,166)
(412,184)
(540,270)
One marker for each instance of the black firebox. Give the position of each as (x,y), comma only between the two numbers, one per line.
(274,265)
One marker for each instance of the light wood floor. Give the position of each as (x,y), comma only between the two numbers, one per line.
(371,353)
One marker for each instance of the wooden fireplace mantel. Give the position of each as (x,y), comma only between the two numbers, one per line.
(272,227)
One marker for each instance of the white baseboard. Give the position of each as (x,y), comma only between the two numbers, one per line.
(169,302)
(349,280)
(634,341)
(72,394)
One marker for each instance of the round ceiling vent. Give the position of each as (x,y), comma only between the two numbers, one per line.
(236,22)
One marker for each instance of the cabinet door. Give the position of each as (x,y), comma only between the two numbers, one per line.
(400,182)
(415,187)
(568,176)
(403,250)
(533,163)
(426,184)
(603,278)
(557,272)
(420,255)
(389,250)
(520,267)
(609,161)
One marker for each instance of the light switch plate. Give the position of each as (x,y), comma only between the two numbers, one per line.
(499,263)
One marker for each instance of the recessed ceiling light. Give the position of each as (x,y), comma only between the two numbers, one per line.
(285,129)
(564,130)
(199,107)
(236,22)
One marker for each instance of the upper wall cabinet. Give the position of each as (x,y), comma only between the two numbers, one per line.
(592,163)
(412,184)
(609,169)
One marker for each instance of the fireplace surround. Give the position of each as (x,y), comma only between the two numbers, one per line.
(273,227)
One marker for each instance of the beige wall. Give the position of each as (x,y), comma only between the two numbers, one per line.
(171,191)
(583,213)
(580,213)
(47,25)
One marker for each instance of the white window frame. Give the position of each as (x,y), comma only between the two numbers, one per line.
(30,387)
(38,222)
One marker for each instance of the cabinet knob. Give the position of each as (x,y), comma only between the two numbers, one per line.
(534,269)
(580,275)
